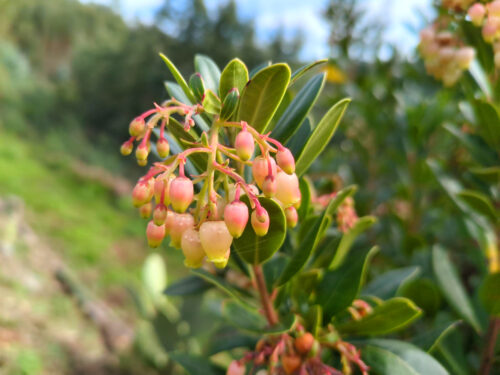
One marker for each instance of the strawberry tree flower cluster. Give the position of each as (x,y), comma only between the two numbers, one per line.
(487,16)
(444,54)
(203,221)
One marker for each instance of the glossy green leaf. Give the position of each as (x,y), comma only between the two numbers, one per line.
(298,109)
(348,239)
(197,86)
(254,322)
(424,293)
(187,286)
(305,187)
(479,203)
(228,339)
(259,67)
(196,365)
(321,136)
(179,79)
(304,69)
(211,103)
(488,122)
(230,104)
(430,339)
(394,357)
(340,287)
(314,319)
(298,141)
(255,249)
(209,71)
(234,75)
(489,293)
(489,174)
(386,285)
(314,234)
(392,315)
(452,288)
(262,95)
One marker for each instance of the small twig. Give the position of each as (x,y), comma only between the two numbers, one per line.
(489,349)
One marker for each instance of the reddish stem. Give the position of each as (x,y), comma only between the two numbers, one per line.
(270,313)
(489,349)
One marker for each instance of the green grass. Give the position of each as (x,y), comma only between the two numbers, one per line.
(81,218)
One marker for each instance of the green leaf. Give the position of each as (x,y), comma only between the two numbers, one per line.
(305,201)
(386,285)
(196,365)
(489,294)
(211,103)
(452,288)
(298,141)
(230,104)
(313,236)
(187,286)
(262,95)
(394,357)
(489,174)
(430,340)
(259,67)
(348,239)
(179,79)
(298,109)
(340,287)
(227,339)
(392,315)
(479,203)
(321,136)
(222,285)
(474,144)
(304,69)
(252,321)
(234,75)
(255,249)
(488,122)
(314,319)
(209,71)
(424,293)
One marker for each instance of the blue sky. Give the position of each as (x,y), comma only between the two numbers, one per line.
(401,16)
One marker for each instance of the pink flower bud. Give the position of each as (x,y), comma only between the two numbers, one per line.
(464,56)
(178,225)
(126,148)
(236,218)
(142,193)
(285,160)
(288,192)
(169,221)
(155,234)
(141,152)
(493,8)
(235,368)
(162,186)
(244,145)
(269,186)
(137,127)
(292,217)
(145,210)
(181,193)
(160,214)
(215,239)
(260,169)
(162,147)
(192,249)
(489,30)
(476,13)
(260,222)
(142,163)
